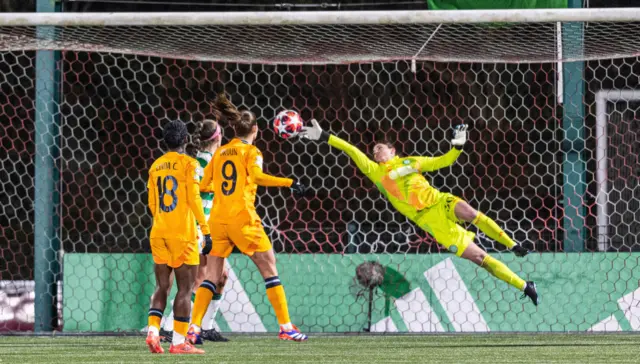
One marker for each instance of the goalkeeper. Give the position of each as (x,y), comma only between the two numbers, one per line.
(401,181)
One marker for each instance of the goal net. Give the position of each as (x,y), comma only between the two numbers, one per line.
(336,37)
(552,157)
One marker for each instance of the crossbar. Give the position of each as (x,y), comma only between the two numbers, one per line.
(321,17)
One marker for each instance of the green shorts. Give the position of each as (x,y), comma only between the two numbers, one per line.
(441,222)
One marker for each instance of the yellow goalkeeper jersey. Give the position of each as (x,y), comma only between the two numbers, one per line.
(401,179)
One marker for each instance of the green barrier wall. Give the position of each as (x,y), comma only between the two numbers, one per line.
(421,293)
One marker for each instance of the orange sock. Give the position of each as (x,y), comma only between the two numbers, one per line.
(181,325)
(155,317)
(204,294)
(275,293)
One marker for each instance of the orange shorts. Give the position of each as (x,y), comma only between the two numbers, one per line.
(174,253)
(249,237)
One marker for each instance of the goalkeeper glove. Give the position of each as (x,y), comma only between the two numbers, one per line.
(206,247)
(298,188)
(314,132)
(459,136)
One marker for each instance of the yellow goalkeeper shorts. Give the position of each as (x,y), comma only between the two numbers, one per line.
(441,222)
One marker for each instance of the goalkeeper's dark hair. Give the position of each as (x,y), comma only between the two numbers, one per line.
(175,134)
(386,141)
(242,121)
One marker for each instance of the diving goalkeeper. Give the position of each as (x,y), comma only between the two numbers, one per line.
(401,181)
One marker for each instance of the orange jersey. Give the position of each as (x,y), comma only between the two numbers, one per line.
(174,197)
(233,175)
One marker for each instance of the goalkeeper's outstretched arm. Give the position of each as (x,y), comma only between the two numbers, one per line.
(430,164)
(364,164)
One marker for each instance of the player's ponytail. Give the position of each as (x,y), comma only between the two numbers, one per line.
(244,126)
(242,122)
(194,146)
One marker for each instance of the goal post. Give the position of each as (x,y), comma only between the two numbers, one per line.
(545,92)
(603,97)
(46,219)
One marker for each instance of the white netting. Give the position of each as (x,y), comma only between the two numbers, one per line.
(333,37)
(112,107)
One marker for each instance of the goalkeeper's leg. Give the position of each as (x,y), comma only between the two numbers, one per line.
(465,212)
(500,270)
(440,222)
(493,266)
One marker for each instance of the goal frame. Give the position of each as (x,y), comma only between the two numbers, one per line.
(322,17)
(602,98)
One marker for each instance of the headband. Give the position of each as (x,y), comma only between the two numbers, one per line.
(215,134)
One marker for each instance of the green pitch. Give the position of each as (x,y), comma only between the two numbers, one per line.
(492,348)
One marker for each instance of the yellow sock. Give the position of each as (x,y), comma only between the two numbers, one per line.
(155,317)
(204,294)
(181,325)
(501,271)
(275,293)
(492,230)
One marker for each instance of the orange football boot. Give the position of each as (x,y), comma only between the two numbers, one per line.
(153,342)
(185,348)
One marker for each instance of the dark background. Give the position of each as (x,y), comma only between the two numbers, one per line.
(114,105)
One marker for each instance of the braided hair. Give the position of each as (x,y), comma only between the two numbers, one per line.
(207,132)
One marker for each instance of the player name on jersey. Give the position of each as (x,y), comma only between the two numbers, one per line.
(167,165)
(229,152)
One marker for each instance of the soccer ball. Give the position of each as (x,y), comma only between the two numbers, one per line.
(287,124)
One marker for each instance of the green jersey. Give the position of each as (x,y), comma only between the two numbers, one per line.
(400,179)
(207,197)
